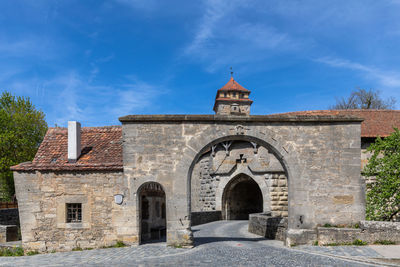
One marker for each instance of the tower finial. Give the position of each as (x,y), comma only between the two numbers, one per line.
(231,72)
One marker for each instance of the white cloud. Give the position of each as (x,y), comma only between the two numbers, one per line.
(29,46)
(385,78)
(68,96)
(135,96)
(224,37)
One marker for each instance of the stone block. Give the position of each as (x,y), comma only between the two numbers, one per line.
(330,235)
(300,237)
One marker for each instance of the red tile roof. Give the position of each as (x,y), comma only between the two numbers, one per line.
(233,85)
(376,122)
(101,150)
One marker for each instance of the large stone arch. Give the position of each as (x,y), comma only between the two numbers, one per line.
(281,149)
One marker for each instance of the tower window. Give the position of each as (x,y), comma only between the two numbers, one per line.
(74,212)
(225,94)
(234,94)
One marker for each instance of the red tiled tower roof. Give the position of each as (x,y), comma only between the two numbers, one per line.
(232,86)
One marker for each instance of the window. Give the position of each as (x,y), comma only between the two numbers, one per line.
(234,94)
(74,212)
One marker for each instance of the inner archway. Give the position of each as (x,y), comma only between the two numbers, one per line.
(241,197)
(152,212)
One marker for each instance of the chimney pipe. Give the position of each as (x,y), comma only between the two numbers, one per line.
(74,141)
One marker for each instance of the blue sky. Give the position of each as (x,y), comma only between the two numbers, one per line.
(94,61)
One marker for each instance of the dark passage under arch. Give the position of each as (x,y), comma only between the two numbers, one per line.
(242,196)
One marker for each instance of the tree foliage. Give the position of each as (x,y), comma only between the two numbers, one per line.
(383,195)
(364,99)
(22,128)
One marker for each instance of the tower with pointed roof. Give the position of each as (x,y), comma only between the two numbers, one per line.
(232,99)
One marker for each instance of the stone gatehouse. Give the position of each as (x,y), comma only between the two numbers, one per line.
(159,174)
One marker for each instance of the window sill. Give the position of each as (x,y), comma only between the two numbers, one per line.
(81,225)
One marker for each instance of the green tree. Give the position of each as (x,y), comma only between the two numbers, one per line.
(364,99)
(22,128)
(383,195)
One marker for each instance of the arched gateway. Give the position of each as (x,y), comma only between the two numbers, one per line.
(241,197)
(237,177)
(152,218)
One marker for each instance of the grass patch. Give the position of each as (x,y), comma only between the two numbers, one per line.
(356,242)
(384,242)
(11,252)
(333,244)
(315,243)
(119,244)
(328,225)
(88,248)
(32,252)
(77,249)
(359,242)
(178,246)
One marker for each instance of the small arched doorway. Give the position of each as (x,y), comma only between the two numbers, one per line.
(242,196)
(152,212)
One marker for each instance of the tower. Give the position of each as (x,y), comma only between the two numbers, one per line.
(232,99)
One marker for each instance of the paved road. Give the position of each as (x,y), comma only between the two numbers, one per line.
(217,244)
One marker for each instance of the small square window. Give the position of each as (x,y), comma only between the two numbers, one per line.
(74,212)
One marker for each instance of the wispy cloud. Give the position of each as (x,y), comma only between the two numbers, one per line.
(69,96)
(135,96)
(222,37)
(29,46)
(386,78)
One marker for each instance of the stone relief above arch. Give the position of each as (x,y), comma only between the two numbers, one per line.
(225,160)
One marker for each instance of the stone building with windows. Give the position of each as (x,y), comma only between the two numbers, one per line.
(157,175)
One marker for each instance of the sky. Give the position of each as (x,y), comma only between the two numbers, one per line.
(94,61)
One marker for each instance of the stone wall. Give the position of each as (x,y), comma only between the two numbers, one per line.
(268,226)
(367,231)
(205,217)
(321,157)
(42,198)
(9,217)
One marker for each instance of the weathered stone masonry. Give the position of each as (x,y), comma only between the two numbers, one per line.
(42,210)
(320,157)
(306,168)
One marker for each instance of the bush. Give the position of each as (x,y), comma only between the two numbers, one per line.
(359,242)
(11,252)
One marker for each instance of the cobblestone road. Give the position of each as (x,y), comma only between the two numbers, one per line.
(217,244)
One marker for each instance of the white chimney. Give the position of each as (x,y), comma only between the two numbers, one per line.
(74,141)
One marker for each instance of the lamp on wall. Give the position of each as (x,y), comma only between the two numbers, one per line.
(118,199)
